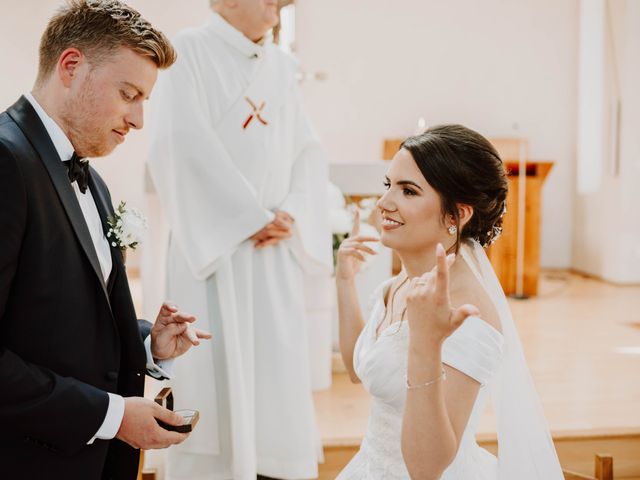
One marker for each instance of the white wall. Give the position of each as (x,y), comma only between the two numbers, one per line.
(607,222)
(488,65)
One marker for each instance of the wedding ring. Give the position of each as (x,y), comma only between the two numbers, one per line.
(421,282)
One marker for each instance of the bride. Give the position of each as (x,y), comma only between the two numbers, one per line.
(429,364)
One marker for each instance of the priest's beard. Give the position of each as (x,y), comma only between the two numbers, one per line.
(87,130)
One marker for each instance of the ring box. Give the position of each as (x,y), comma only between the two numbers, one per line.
(191,417)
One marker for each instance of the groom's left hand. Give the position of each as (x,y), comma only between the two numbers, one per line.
(172,334)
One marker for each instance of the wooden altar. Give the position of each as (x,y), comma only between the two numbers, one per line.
(503,254)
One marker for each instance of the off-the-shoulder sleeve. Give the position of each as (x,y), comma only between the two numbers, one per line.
(475,349)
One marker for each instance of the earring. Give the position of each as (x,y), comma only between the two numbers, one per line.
(452,230)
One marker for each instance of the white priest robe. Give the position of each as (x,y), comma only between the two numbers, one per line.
(231,145)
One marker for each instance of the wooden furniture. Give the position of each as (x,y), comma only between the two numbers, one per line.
(503,254)
(390,147)
(603,470)
(145,473)
(149,474)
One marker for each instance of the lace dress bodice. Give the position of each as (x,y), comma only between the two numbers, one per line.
(380,362)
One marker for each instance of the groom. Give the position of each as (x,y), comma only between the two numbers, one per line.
(72,355)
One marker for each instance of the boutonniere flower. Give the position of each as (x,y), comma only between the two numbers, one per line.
(126,228)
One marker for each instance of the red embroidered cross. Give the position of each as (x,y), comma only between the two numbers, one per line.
(255,113)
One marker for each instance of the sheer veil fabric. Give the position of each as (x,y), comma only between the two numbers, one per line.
(526,450)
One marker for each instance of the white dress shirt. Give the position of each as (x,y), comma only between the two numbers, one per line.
(63,146)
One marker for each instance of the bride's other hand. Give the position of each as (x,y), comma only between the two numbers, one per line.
(351,252)
(431,316)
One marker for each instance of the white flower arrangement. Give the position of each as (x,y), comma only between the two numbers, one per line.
(127,226)
(341,218)
(367,206)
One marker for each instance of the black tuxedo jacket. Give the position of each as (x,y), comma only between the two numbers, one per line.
(66,338)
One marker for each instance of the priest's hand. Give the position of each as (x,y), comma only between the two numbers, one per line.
(172,334)
(140,429)
(279,229)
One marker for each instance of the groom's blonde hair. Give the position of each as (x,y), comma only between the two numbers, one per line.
(98,28)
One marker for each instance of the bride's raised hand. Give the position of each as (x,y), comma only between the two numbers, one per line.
(431,316)
(351,252)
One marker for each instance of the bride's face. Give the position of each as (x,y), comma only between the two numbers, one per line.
(411,209)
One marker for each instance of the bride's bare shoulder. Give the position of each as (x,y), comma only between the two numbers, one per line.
(466,288)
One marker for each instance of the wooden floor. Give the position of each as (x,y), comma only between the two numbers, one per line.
(582,341)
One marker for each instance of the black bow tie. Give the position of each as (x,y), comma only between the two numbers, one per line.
(78,171)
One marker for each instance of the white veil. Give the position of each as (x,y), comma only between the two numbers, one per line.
(526,450)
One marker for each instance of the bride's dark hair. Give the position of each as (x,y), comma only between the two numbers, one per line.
(464,168)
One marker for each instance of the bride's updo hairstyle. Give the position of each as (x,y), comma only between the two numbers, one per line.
(464,168)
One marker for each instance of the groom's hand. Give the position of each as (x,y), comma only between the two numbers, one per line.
(140,429)
(172,334)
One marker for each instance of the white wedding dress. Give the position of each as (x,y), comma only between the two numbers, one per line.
(476,349)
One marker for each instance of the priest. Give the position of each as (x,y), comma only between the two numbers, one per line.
(241,181)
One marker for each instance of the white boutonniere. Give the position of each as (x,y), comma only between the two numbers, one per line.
(126,228)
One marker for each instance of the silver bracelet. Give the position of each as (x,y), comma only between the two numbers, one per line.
(442,377)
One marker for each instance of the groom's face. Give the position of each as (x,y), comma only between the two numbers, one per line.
(106,101)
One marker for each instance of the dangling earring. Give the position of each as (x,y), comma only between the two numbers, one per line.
(452,230)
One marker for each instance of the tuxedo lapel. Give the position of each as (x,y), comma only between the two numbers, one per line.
(105,209)
(27,119)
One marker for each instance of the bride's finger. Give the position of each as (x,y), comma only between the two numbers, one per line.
(354,253)
(348,243)
(427,277)
(461,313)
(355,230)
(413,283)
(364,248)
(364,238)
(422,284)
(442,273)
(451,258)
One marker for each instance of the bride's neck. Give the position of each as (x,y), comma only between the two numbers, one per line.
(416,264)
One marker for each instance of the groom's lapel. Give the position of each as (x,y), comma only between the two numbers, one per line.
(105,210)
(27,119)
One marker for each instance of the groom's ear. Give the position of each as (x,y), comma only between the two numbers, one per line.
(69,66)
